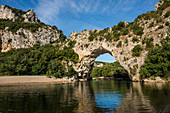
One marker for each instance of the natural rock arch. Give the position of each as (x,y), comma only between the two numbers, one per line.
(88,51)
(129,43)
(121,49)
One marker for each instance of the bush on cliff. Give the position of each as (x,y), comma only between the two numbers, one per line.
(157,63)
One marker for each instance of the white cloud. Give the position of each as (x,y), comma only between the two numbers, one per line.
(49,10)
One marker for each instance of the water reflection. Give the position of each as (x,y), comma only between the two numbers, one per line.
(85,97)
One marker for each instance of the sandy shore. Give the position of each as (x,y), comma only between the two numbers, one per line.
(28,79)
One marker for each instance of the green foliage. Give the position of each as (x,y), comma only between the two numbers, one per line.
(16,25)
(164,5)
(86,45)
(167,23)
(126,40)
(137,30)
(110,70)
(119,44)
(72,43)
(13,26)
(151,24)
(116,35)
(120,25)
(135,39)
(125,31)
(100,38)
(108,37)
(136,50)
(132,71)
(37,60)
(167,14)
(157,63)
(91,38)
(148,42)
(160,27)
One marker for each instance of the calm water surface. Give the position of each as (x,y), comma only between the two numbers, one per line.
(85,97)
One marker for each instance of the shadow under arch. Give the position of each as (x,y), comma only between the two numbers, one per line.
(87,63)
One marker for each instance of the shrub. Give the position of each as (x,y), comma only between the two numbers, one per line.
(126,40)
(110,70)
(157,62)
(91,38)
(72,43)
(125,31)
(137,30)
(167,23)
(86,45)
(167,14)
(136,50)
(160,27)
(164,5)
(36,60)
(135,39)
(151,24)
(119,44)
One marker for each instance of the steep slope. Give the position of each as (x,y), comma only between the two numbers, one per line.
(20,29)
(129,43)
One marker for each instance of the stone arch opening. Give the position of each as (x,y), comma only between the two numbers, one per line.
(105,65)
(87,62)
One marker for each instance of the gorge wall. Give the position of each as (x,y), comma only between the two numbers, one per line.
(129,43)
(29,30)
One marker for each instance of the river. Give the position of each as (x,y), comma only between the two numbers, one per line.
(85,97)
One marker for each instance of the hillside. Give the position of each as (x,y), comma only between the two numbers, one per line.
(141,47)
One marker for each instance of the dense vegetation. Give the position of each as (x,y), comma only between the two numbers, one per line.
(124,29)
(114,70)
(157,63)
(38,60)
(116,31)
(136,50)
(13,26)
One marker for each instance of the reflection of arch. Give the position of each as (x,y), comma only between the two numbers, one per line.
(0,43)
(85,95)
(135,100)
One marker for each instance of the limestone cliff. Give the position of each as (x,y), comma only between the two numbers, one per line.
(129,43)
(20,29)
(7,12)
(122,41)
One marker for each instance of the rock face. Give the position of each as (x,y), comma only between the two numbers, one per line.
(148,29)
(121,49)
(157,5)
(11,13)
(24,38)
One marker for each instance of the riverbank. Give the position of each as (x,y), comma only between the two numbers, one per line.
(30,79)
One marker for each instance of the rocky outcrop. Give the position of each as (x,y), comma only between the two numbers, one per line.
(154,29)
(127,42)
(25,37)
(11,13)
(157,5)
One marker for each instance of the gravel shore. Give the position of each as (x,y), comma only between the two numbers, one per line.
(29,79)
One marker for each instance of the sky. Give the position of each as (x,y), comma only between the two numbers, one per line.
(77,15)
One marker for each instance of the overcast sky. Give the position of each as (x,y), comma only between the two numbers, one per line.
(77,15)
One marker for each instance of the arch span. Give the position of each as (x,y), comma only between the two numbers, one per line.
(121,50)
